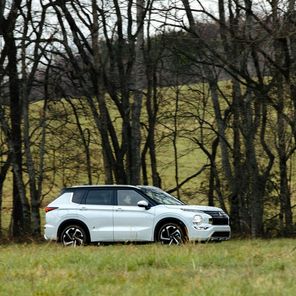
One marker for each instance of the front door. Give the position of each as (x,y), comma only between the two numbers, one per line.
(131,222)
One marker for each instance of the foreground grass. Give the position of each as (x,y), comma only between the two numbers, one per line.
(230,268)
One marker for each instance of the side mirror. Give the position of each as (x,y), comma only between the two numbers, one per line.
(143,204)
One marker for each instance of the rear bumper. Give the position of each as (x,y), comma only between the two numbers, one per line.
(50,232)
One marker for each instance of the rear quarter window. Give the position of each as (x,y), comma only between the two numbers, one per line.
(65,197)
(78,196)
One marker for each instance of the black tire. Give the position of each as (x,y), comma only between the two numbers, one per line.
(73,235)
(171,234)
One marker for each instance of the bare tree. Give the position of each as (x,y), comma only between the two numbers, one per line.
(21,209)
(112,65)
(246,178)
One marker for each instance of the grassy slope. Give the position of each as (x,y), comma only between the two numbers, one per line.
(64,148)
(230,268)
(63,141)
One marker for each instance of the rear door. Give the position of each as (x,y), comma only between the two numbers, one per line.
(131,222)
(97,212)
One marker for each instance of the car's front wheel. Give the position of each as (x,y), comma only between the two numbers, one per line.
(73,235)
(171,234)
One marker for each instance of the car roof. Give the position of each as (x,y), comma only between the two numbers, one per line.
(102,186)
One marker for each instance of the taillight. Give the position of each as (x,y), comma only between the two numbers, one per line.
(49,209)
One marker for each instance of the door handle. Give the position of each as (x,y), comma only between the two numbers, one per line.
(119,210)
(82,208)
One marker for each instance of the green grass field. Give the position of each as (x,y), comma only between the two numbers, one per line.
(230,268)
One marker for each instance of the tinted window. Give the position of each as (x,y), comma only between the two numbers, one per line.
(128,197)
(78,195)
(99,197)
(160,196)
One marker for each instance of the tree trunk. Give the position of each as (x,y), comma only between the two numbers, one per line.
(85,141)
(175,139)
(135,152)
(152,110)
(280,52)
(21,223)
(3,172)
(102,119)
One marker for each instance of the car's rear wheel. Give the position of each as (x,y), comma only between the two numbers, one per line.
(171,234)
(73,235)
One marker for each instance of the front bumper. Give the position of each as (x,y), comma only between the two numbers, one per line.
(208,232)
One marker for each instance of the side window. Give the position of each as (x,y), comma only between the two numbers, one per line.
(78,195)
(128,197)
(99,197)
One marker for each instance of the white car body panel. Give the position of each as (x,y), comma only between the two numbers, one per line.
(99,220)
(132,223)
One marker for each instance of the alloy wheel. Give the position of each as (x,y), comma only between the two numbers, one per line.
(171,234)
(73,236)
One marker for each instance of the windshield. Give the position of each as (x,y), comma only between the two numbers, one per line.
(160,196)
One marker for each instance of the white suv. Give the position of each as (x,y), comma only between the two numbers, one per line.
(118,213)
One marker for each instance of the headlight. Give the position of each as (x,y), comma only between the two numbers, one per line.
(197,219)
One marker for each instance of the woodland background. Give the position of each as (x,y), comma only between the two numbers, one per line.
(196,97)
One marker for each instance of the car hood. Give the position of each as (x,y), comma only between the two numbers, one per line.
(193,208)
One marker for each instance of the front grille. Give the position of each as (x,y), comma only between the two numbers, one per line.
(218,217)
(220,221)
(221,234)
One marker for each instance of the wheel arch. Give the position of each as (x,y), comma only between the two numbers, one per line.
(170,220)
(73,222)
